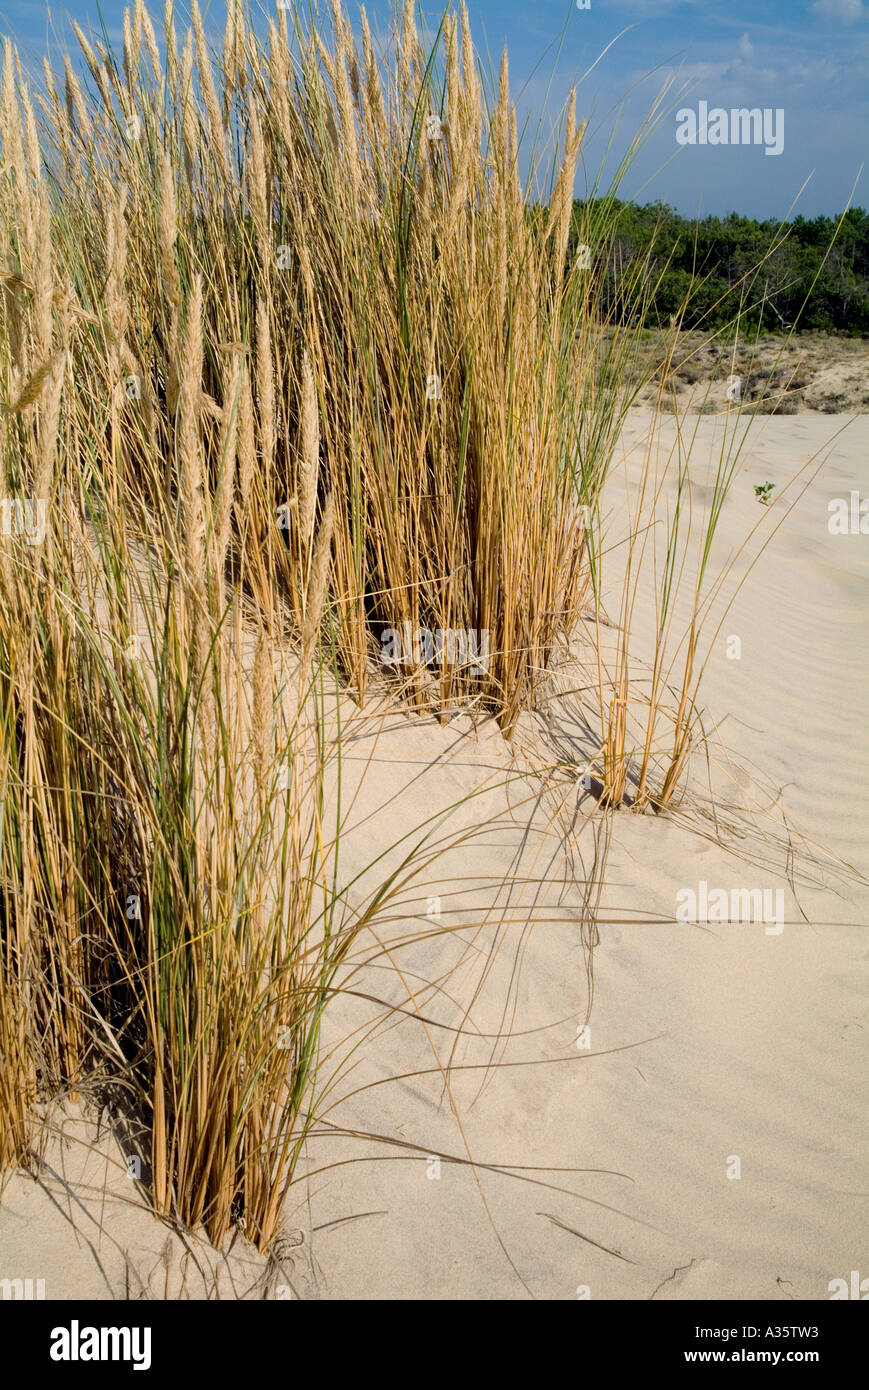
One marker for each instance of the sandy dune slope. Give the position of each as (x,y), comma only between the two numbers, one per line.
(481,1145)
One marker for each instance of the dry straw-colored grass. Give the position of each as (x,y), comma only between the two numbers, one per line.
(415,336)
(289,356)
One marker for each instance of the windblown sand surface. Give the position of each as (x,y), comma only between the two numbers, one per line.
(595,1165)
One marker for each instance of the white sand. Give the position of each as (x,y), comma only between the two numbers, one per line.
(707,1044)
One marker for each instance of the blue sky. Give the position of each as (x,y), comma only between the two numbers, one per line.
(809,58)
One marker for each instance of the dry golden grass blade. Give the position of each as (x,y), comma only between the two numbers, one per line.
(315,602)
(265,383)
(33,388)
(309,461)
(226,453)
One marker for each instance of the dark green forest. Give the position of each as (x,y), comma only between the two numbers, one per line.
(807,275)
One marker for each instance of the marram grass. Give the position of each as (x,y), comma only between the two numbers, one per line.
(287,357)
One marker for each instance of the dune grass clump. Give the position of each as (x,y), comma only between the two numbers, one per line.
(389,314)
(290,357)
(170,928)
(171,923)
(253,401)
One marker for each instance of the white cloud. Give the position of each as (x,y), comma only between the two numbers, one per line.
(848,11)
(811,74)
(746,47)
